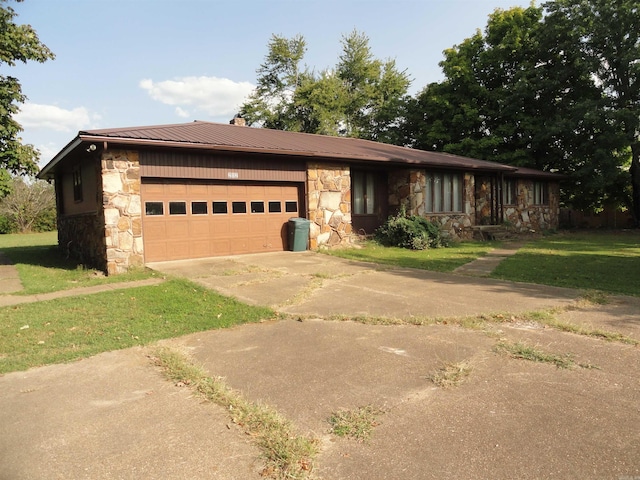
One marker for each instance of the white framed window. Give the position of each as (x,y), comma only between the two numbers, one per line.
(509,191)
(443,192)
(363,192)
(540,193)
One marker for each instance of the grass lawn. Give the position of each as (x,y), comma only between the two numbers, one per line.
(67,329)
(435,259)
(43,267)
(609,262)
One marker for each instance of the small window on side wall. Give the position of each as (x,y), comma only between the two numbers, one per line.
(153,208)
(77,184)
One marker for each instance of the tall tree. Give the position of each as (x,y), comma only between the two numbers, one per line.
(361,97)
(608,35)
(522,93)
(272,103)
(18,43)
(375,91)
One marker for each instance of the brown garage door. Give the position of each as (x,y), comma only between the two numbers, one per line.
(195,220)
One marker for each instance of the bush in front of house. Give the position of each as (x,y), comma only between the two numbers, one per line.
(413,232)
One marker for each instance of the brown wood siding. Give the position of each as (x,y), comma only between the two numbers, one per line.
(89,203)
(245,168)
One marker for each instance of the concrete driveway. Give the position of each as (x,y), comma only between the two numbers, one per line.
(114,416)
(313,284)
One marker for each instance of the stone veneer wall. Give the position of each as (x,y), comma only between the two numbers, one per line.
(329,205)
(407,188)
(122,210)
(526,216)
(81,237)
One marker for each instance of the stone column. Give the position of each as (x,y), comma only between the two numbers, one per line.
(329,204)
(122,210)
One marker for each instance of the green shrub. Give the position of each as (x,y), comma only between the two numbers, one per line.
(413,232)
(7,225)
(45,221)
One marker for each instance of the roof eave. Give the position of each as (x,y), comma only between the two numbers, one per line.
(46,172)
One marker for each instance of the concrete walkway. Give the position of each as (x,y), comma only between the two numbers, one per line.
(10,300)
(9,278)
(484,266)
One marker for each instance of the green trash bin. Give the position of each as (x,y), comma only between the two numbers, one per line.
(298,234)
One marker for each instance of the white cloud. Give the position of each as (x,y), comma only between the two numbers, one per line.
(182,112)
(48,150)
(34,115)
(212,95)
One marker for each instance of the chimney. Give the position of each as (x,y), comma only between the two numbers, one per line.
(238,120)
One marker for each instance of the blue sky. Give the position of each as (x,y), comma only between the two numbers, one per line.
(144,62)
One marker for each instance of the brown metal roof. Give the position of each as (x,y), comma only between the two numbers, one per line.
(223,137)
(532,173)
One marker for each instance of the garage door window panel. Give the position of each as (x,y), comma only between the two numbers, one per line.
(153,208)
(275,207)
(177,208)
(199,208)
(239,207)
(291,207)
(257,207)
(219,208)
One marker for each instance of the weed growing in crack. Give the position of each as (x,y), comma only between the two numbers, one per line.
(357,424)
(523,351)
(451,374)
(287,455)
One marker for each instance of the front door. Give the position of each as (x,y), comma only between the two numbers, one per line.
(487,200)
(369,200)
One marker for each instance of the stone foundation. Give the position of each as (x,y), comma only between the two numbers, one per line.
(329,205)
(525,216)
(82,237)
(122,211)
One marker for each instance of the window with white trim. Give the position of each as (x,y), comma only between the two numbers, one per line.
(509,191)
(363,191)
(443,192)
(540,193)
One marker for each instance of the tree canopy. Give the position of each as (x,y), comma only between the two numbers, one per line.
(552,87)
(360,97)
(606,34)
(18,43)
